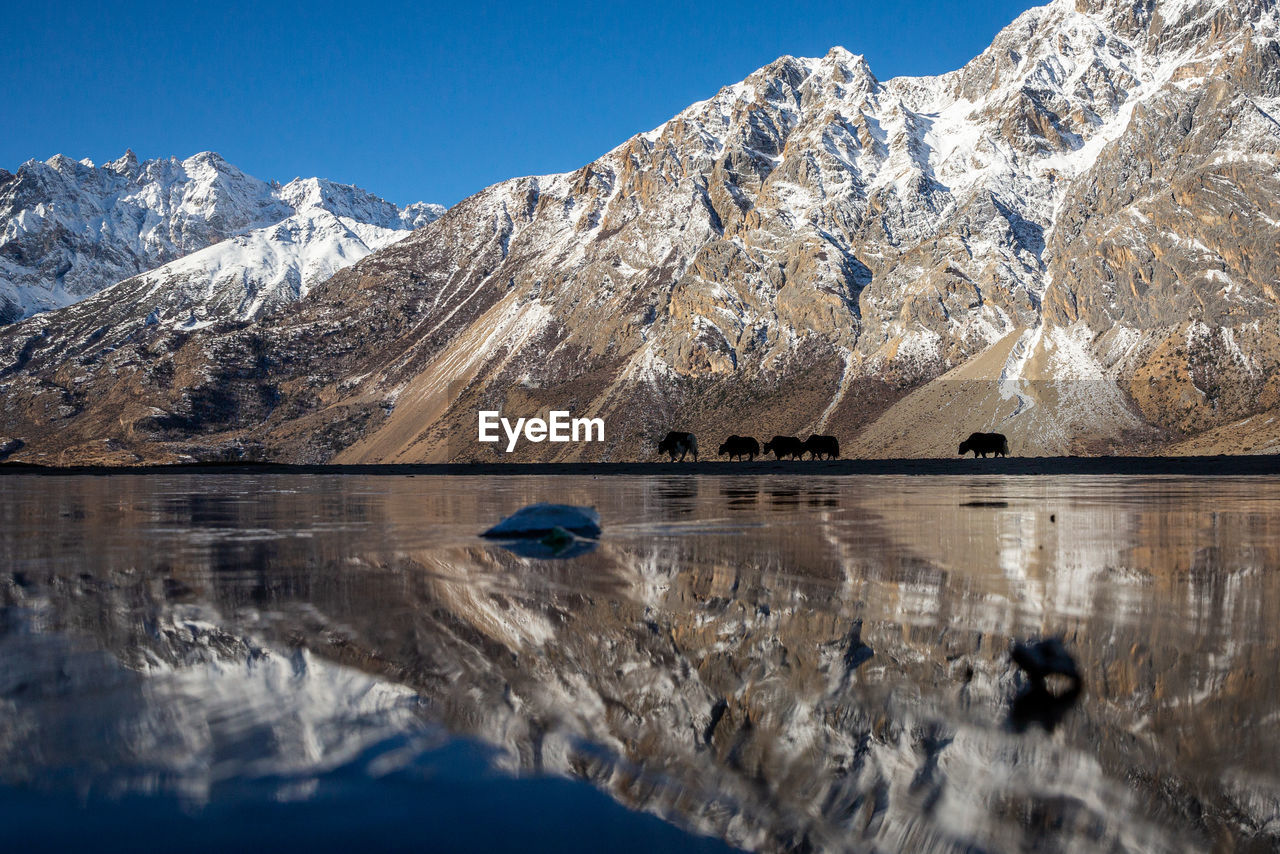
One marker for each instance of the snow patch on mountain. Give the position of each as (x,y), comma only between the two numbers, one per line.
(244,276)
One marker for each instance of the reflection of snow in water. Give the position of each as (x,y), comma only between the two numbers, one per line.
(202,707)
(731,594)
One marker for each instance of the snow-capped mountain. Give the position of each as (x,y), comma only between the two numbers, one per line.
(69,229)
(1073,239)
(332,226)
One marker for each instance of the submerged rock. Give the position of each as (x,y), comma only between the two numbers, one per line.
(559,544)
(548,530)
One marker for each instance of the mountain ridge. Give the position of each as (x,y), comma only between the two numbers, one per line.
(69,229)
(1072,239)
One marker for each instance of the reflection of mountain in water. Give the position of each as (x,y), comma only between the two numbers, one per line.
(823,670)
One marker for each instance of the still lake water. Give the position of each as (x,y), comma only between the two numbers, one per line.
(293,662)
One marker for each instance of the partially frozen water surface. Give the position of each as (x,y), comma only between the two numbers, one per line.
(289,662)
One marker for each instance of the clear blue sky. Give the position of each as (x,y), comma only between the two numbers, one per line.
(426,101)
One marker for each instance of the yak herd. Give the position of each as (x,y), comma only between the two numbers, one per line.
(678,444)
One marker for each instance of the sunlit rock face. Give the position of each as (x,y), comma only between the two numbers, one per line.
(778,663)
(1072,239)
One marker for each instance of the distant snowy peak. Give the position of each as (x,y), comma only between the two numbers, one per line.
(345,200)
(246,276)
(69,229)
(418,214)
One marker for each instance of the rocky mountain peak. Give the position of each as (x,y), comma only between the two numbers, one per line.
(346,200)
(126,166)
(1172,27)
(1129,14)
(418,214)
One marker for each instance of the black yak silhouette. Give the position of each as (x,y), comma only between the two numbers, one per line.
(785,446)
(985,443)
(822,446)
(740,446)
(676,442)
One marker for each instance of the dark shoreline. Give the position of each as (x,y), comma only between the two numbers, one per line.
(1221,466)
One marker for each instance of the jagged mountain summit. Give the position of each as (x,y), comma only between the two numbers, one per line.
(1071,240)
(69,229)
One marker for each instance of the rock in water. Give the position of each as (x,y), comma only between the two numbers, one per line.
(1042,658)
(538,521)
(1035,703)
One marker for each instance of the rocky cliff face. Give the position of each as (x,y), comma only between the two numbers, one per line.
(1072,239)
